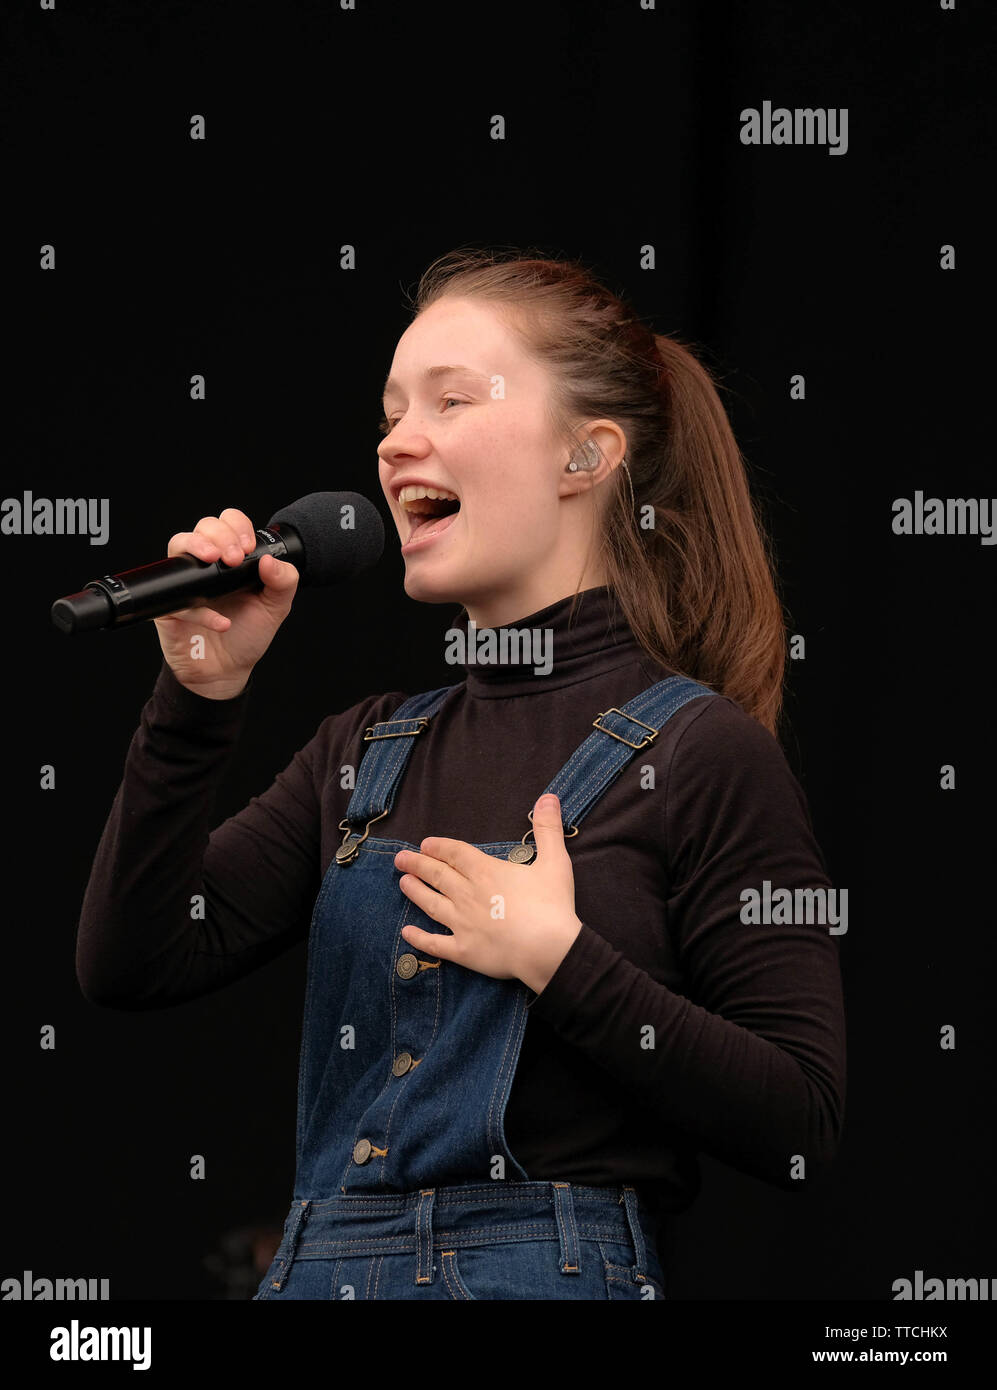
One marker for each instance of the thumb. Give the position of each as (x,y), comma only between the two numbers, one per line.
(280,584)
(277,575)
(547,828)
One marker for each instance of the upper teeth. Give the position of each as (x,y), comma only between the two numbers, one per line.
(414,491)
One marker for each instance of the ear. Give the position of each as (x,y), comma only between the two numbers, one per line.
(601,442)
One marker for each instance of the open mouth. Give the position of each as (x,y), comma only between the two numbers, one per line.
(428,514)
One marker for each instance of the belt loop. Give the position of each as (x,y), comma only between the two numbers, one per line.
(567,1228)
(636,1233)
(424,1236)
(296,1219)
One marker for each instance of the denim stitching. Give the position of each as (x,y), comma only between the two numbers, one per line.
(293,1228)
(498,1235)
(451,1275)
(567,1232)
(370,846)
(470,1194)
(636,1234)
(626,1278)
(517,1028)
(424,1238)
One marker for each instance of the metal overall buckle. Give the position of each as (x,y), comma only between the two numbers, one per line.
(649,737)
(421,719)
(350,848)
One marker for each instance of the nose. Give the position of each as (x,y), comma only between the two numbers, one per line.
(400,443)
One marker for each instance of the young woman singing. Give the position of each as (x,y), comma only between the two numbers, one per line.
(535,991)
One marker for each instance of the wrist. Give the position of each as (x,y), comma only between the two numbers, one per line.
(546,955)
(229,690)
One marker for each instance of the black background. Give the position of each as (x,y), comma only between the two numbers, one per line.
(329,128)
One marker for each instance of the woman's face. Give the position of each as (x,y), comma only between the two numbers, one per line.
(477,429)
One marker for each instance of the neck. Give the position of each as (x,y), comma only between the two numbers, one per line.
(497,610)
(558,644)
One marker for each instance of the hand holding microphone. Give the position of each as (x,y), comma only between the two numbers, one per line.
(236,629)
(231,584)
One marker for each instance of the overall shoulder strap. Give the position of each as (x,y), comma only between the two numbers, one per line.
(391,743)
(620,734)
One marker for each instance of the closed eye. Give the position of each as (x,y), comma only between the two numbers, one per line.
(386,426)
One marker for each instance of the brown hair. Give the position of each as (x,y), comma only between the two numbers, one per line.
(692,566)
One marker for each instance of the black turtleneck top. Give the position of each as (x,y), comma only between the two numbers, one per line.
(748,1055)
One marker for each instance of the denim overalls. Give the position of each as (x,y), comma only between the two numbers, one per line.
(404,1185)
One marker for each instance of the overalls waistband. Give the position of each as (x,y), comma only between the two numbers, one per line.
(442,1218)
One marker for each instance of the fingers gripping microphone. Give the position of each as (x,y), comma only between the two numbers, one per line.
(329,536)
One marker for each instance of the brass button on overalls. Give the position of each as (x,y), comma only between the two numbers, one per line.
(401,1063)
(406,966)
(361,1151)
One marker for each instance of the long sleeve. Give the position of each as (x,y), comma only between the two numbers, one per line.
(172,911)
(750,1062)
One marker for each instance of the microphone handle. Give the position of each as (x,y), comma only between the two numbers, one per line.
(179,581)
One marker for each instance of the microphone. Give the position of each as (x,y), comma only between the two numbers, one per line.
(329,536)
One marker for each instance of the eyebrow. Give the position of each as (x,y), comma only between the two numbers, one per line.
(432,372)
